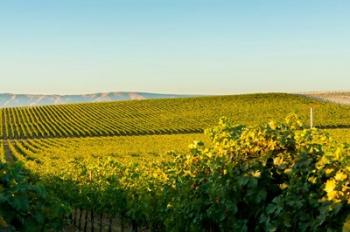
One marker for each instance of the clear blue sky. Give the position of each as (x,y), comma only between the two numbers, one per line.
(177,46)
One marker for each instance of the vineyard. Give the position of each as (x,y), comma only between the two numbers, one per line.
(264,168)
(169,116)
(133,166)
(141,149)
(340,135)
(2,151)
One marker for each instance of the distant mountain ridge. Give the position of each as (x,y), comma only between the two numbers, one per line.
(16,100)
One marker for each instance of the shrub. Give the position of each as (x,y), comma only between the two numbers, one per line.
(276,177)
(25,205)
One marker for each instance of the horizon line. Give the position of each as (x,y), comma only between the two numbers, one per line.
(178,94)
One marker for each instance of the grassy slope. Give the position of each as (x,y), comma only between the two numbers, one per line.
(167,116)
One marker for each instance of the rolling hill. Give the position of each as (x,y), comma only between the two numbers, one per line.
(15,100)
(164,116)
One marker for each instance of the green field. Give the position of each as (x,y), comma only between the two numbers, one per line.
(166,116)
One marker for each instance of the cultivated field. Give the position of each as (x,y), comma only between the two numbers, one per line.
(112,166)
(42,154)
(144,131)
(169,116)
(340,135)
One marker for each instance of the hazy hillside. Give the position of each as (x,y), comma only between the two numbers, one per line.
(13,100)
(338,97)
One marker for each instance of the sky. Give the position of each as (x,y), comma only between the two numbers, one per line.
(174,46)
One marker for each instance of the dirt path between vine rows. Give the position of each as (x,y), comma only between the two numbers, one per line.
(9,157)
